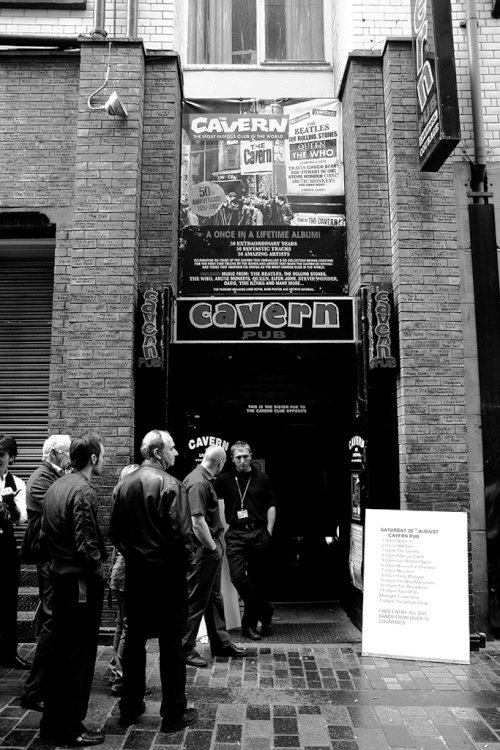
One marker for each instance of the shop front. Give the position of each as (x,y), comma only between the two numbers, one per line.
(264,332)
(294,405)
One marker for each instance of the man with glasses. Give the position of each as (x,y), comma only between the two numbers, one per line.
(55,461)
(250,510)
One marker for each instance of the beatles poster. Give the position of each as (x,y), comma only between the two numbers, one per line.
(262,198)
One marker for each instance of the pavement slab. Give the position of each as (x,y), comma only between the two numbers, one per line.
(307,696)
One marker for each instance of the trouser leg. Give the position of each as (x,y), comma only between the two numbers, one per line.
(134,648)
(237,555)
(214,614)
(172,664)
(9,584)
(33,687)
(71,650)
(258,569)
(203,576)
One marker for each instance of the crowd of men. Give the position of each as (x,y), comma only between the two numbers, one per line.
(243,210)
(170,538)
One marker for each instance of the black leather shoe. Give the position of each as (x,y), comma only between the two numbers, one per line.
(251,633)
(126,719)
(230,650)
(175,725)
(195,660)
(30,704)
(16,663)
(85,739)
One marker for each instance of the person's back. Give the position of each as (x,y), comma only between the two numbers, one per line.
(149,515)
(70,532)
(151,526)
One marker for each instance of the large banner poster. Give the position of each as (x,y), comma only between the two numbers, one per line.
(262,198)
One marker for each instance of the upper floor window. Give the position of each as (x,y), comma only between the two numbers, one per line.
(248,32)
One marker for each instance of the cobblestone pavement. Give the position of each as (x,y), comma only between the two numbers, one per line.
(306,696)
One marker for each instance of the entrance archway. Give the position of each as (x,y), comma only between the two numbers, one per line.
(294,406)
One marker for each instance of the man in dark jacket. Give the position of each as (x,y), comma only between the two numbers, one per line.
(55,460)
(151,527)
(74,544)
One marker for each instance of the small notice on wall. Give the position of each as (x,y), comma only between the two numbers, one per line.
(416,599)
(276,409)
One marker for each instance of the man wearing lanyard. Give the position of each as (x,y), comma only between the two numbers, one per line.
(250,509)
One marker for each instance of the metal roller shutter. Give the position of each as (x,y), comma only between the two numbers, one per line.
(26,288)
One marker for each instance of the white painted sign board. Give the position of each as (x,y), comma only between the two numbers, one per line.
(416,594)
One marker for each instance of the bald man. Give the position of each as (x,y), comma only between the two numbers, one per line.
(204,576)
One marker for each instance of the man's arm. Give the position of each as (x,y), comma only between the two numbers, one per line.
(87,533)
(202,532)
(178,511)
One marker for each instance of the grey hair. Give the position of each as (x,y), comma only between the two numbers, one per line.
(154,439)
(55,443)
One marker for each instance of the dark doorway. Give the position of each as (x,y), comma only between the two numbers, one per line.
(294,406)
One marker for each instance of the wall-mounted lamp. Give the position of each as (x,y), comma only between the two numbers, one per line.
(113,106)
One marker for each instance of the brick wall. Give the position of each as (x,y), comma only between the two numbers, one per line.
(160,173)
(38,160)
(427,286)
(366,182)
(84,170)
(97,282)
(402,228)
(157,21)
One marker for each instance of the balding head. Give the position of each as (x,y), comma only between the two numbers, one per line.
(214,459)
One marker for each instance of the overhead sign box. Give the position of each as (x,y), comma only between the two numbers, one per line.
(246,320)
(437,99)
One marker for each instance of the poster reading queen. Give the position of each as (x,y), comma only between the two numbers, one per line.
(262,197)
(312,149)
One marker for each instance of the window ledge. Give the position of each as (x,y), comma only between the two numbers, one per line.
(263,66)
(46,4)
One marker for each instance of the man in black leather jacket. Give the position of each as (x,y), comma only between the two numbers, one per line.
(72,538)
(151,527)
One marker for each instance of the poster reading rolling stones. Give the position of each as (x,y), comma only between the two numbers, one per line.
(262,198)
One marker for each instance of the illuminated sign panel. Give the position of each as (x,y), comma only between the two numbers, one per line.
(247,320)
(437,100)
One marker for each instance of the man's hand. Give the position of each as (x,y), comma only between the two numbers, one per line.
(8,493)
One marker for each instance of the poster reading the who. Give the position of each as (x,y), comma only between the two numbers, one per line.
(262,198)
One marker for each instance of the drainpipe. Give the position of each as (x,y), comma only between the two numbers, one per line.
(99,18)
(486,284)
(478,168)
(132,19)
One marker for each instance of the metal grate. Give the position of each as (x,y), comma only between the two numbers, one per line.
(307,632)
(26,288)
